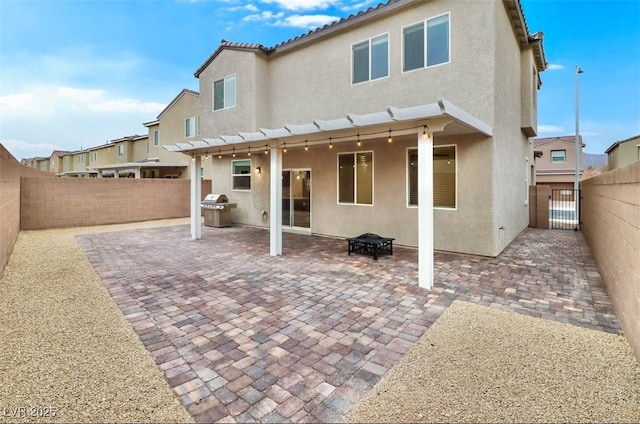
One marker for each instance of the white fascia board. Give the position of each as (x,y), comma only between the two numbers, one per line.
(275,133)
(200,144)
(333,125)
(369,119)
(231,139)
(185,146)
(414,112)
(252,136)
(449,109)
(301,129)
(216,142)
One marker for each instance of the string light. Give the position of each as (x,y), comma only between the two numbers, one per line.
(306,147)
(425,133)
(330,145)
(390,140)
(266,149)
(206,156)
(193,158)
(285,147)
(249,153)
(234,152)
(359,143)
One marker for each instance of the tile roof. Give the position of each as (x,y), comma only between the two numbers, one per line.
(614,145)
(537,142)
(514,9)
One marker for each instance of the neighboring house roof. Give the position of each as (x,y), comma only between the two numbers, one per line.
(134,137)
(514,9)
(174,101)
(59,153)
(614,145)
(557,171)
(539,142)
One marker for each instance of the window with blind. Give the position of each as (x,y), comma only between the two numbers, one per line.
(444,177)
(241,174)
(190,127)
(224,93)
(371,59)
(355,178)
(426,44)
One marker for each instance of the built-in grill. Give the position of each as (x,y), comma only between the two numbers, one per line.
(217,210)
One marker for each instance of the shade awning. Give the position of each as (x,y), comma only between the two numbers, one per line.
(461,122)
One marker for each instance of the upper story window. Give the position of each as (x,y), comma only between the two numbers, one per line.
(444,177)
(120,150)
(558,156)
(156,138)
(355,178)
(94,156)
(64,160)
(371,59)
(81,159)
(426,44)
(241,174)
(224,93)
(190,127)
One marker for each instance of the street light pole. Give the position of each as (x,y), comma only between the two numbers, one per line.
(576,184)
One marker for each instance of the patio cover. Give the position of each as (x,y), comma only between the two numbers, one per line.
(421,120)
(135,166)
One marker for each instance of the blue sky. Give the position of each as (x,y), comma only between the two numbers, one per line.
(76,73)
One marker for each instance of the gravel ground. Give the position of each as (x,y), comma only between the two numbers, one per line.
(478,364)
(67,354)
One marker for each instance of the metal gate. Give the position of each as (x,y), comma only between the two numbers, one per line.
(562,209)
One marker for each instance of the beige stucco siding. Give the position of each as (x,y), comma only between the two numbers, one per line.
(625,153)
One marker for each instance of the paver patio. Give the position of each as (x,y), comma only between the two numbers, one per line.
(244,336)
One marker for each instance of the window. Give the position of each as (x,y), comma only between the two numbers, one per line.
(558,155)
(224,93)
(81,159)
(94,156)
(430,45)
(156,138)
(355,178)
(190,127)
(444,177)
(371,59)
(64,160)
(241,173)
(120,150)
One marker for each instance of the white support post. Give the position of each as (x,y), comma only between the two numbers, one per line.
(196,196)
(425,209)
(275,199)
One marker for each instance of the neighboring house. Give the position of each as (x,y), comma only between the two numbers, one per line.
(56,161)
(178,122)
(624,152)
(557,165)
(409,117)
(41,163)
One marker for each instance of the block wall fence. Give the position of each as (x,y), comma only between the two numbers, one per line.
(611,226)
(10,173)
(76,202)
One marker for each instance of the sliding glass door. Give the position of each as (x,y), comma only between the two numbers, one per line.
(296,198)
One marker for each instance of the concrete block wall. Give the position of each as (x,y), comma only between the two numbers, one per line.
(10,173)
(611,225)
(73,202)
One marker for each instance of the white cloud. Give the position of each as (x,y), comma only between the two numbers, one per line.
(248,7)
(264,16)
(549,129)
(302,4)
(554,67)
(306,21)
(35,149)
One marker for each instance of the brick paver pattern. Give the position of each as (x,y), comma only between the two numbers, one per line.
(243,336)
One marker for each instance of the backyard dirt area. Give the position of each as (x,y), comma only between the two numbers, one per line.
(68,354)
(480,364)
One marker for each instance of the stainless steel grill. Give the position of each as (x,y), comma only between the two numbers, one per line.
(217,210)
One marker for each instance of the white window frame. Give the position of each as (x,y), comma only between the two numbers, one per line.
(156,138)
(426,44)
(81,159)
(120,150)
(64,160)
(241,175)
(225,80)
(369,41)
(94,156)
(355,179)
(190,127)
(408,188)
(564,160)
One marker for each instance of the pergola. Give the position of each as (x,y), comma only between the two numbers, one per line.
(423,121)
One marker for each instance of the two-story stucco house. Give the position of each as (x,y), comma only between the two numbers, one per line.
(623,152)
(412,120)
(556,166)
